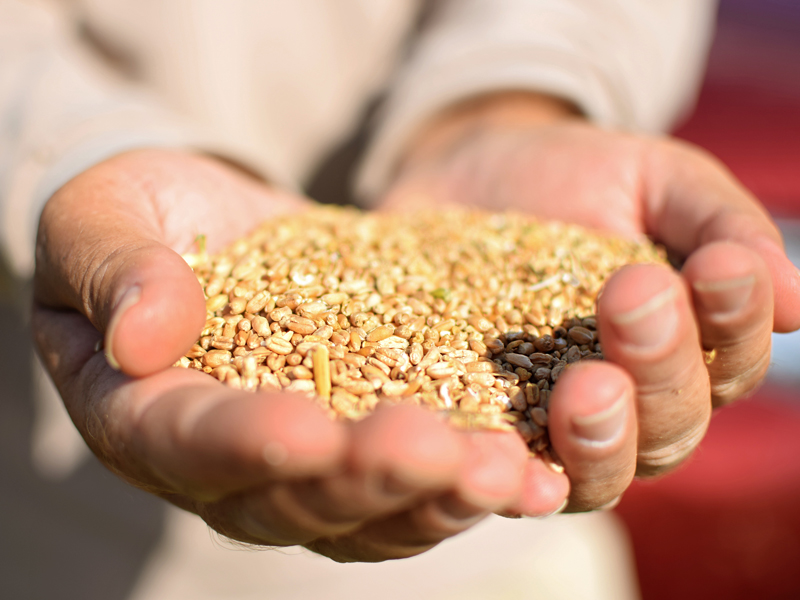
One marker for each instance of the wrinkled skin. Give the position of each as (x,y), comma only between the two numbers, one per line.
(272,469)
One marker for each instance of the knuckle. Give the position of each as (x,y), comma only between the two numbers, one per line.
(97,268)
(728,386)
(657,461)
(597,493)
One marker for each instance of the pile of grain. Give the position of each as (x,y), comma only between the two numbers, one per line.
(472,314)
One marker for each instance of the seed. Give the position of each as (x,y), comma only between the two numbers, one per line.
(517,397)
(325,332)
(544,343)
(495,346)
(539,416)
(415,353)
(524,430)
(375,375)
(258,302)
(519,360)
(540,358)
(238,305)
(380,333)
(390,356)
(216,358)
(216,303)
(311,309)
(223,371)
(532,395)
(478,346)
(279,345)
(393,342)
(301,372)
(197,351)
(430,358)
(581,335)
(441,370)
(412,307)
(357,386)
(480,323)
(482,379)
(394,388)
(301,325)
(322,373)
(481,366)
(301,386)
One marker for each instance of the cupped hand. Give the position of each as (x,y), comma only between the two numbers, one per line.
(261,468)
(676,343)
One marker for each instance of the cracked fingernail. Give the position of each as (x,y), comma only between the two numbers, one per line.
(726,296)
(602,428)
(126,301)
(651,323)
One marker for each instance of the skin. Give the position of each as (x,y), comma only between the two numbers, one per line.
(272,469)
(536,154)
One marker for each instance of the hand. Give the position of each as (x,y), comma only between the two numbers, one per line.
(533,153)
(262,468)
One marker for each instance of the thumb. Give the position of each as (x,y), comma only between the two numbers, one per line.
(692,200)
(154,308)
(95,257)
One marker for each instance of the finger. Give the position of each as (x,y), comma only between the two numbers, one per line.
(647,327)
(98,257)
(490,478)
(181,431)
(407,534)
(732,293)
(528,488)
(399,457)
(396,455)
(592,425)
(545,491)
(692,200)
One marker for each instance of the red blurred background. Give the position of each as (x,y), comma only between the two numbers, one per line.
(727,524)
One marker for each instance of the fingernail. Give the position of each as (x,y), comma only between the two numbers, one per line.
(611,505)
(557,511)
(726,296)
(128,299)
(275,454)
(601,428)
(650,324)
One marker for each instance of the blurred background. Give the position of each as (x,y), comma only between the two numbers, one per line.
(727,525)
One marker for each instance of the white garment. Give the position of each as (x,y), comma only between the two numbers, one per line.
(276,84)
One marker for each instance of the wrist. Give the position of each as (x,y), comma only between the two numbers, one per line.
(498,111)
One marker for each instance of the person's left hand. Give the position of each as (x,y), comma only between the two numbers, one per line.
(532,153)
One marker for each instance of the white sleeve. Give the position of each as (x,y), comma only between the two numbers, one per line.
(630,64)
(61,111)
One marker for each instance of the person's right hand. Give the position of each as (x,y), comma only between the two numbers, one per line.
(261,468)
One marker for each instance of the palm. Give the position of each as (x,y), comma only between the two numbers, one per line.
(572,173)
